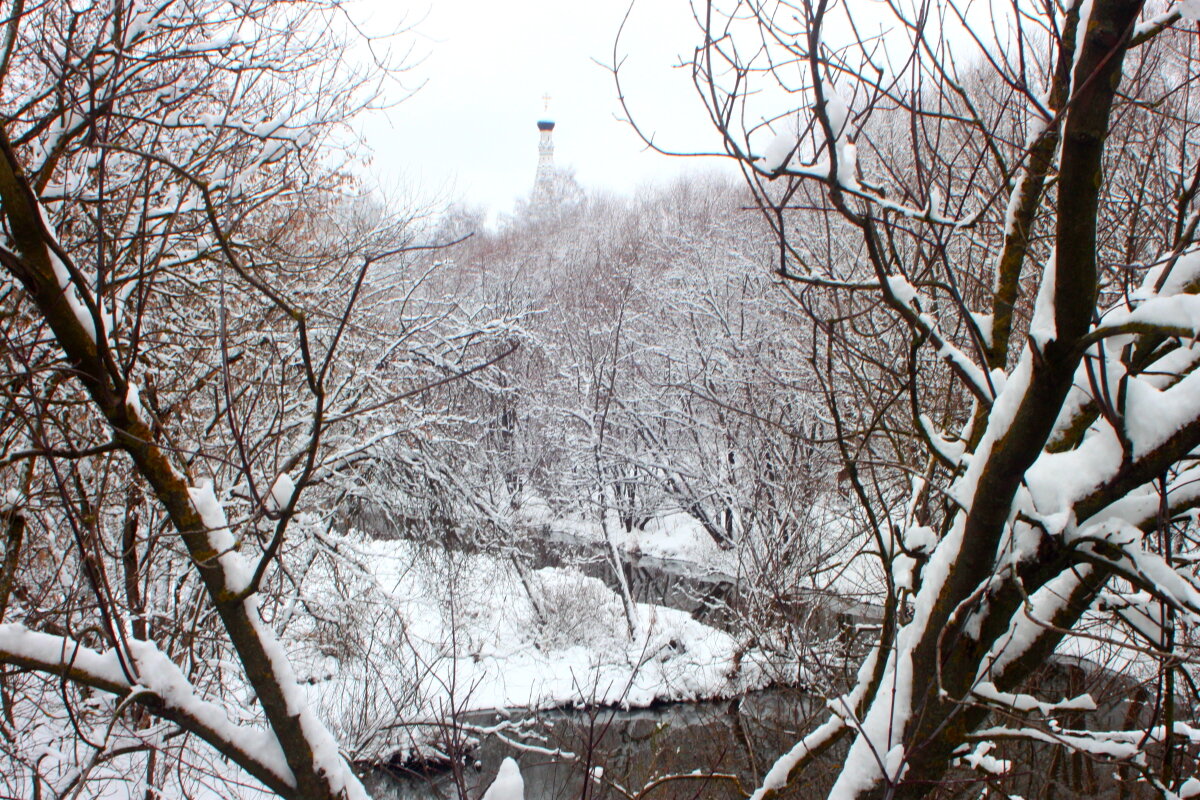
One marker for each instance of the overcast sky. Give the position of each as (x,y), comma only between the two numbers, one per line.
(470,131)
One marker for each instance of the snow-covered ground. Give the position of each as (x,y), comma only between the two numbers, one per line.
(674,535)
(834,560)
(446,633)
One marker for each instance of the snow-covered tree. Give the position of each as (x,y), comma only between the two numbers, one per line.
(200,333)
(989,216)
(660,374)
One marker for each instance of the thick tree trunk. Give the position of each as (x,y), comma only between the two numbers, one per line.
(948,658)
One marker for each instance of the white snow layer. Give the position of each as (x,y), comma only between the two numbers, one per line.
(282,492)
(471,623)
(508,785)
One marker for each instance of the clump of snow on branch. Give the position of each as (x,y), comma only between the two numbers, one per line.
(508,784)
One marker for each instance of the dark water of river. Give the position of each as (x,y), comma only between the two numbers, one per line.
(720,751)
(707,750)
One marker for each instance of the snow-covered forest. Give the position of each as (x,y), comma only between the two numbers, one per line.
(871,473)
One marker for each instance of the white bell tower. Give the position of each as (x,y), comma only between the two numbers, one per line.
(543,182)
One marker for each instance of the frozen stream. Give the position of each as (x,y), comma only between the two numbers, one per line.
(710,596)
(705,594)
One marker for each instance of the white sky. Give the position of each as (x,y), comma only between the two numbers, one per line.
(470,134)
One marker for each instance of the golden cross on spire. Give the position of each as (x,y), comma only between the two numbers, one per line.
(546,101)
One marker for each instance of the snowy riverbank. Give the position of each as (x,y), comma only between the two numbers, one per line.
(439,634)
